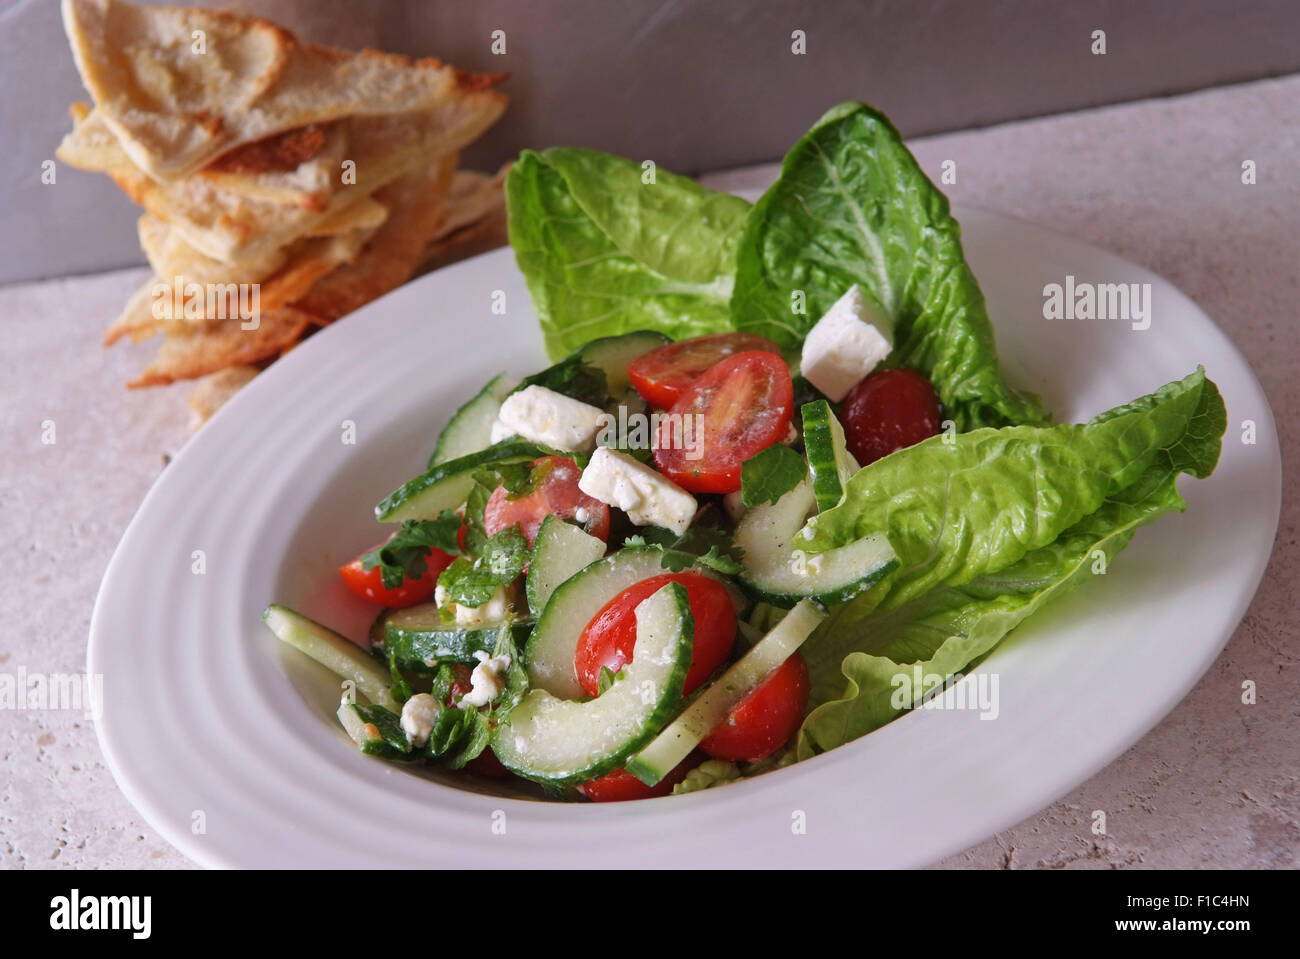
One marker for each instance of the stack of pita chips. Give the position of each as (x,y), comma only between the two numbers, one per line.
(284,184)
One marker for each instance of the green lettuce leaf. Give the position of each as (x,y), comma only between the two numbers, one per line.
(959,507)
(605,253)
(852,206)
(858,652)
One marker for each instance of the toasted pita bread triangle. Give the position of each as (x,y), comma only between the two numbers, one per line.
(153,307)
(415,204)
(215,390)
(180,86)
(207,348)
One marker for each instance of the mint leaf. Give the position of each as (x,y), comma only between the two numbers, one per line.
(607,679)
(471,582)
(405,555)
(771,474)
(574,378)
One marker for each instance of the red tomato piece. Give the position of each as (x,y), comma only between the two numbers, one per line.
(556,495)
(737,409)
(888,411)
(621,785)
(764,720)
(487,765)
(664,374)
(610,637)
(369,583)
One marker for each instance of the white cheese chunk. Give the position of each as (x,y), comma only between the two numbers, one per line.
(845,345)
(418,715)
(500,432)
(648,498)
(491,613)
(545,416)
(486,680)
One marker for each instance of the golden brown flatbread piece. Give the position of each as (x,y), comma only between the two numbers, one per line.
(187,354)
(415,204)
(180,86)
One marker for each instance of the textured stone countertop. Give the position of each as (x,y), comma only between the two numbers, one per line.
(1158,182)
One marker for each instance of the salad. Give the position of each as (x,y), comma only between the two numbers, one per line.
(773,468)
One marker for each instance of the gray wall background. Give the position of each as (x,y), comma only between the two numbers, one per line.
(693,84)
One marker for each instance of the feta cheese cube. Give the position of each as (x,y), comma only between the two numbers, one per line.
(845,345)
(486,682)
(418,715)
(491,613)
(545,416)
(648,497)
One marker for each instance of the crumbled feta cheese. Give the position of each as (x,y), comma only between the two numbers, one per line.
(500,432)
(648,497)
(491,613)
(545,416)
(486,682)
(418,715)
(845,345)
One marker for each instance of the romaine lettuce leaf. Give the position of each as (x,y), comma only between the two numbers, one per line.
(856,654)
(605,253)
(959,507)
(852,206)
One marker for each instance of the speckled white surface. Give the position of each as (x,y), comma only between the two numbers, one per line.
(1158,182)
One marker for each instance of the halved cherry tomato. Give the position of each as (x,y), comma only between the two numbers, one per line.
(557,494)
(764,720)
(663,375)
(487,765)
(369,583)
(621,785)
(744,404)
(888,411)
(610,637)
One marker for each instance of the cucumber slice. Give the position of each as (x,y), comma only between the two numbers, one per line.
(355,726)
(829,460)
(716,702)
(777,571)
(612,354)
(446,485)
(418,639)
(550,650)
(336,653)
(560,550)
(470,427)
(562,742)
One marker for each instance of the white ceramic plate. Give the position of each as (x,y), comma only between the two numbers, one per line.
(227,743)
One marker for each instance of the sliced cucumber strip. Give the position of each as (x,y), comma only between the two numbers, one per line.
(829,460)
(446,485)
(560,550)
(355,726)
(336,653)
(419,639)
(470,427)
(612,354)
(716,702)
(779,572)
(563,742)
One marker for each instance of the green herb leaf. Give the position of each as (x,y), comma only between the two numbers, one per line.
(769,475)
(472,582)
(607,679)
(392,742)
(574,378)
(405,555)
